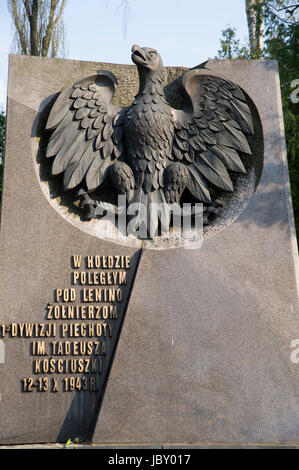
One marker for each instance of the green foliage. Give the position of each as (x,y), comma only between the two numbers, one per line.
(277,12)
(281,44)
(2,146)
(230,47)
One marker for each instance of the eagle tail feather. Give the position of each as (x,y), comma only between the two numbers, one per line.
(151,212)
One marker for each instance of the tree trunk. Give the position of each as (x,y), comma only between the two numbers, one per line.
(19,25)
(33,17)
(52,22)
(259,26)
(39,26)
(255,22)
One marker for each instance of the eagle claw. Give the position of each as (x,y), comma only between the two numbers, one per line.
(213,209)
(89,211)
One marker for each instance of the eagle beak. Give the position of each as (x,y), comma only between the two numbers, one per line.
(138,55)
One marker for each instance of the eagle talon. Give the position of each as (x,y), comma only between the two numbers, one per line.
(89,211)
(213,209)
(85,200)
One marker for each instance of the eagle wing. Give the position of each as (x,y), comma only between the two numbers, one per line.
(210,132)
(87,131)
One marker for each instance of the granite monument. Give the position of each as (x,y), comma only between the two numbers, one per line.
(147,337)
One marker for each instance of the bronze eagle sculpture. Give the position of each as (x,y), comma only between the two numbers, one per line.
(149,151)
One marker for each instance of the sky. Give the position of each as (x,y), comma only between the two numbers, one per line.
(185,32)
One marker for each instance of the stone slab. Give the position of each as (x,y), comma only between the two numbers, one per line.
(205,355)
(38,239)
(37,246)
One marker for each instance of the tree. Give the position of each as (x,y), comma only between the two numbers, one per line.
(255,22)
(230,47)
(280,11)
(39,28)
(261,13)
(281,43)
(283,46)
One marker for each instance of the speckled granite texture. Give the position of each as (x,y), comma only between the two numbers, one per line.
(205,351)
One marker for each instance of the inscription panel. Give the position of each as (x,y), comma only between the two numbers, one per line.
(72,347)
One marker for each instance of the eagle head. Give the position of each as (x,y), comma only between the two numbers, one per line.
(146,57)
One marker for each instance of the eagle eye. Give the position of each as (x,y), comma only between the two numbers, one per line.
(152,53)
